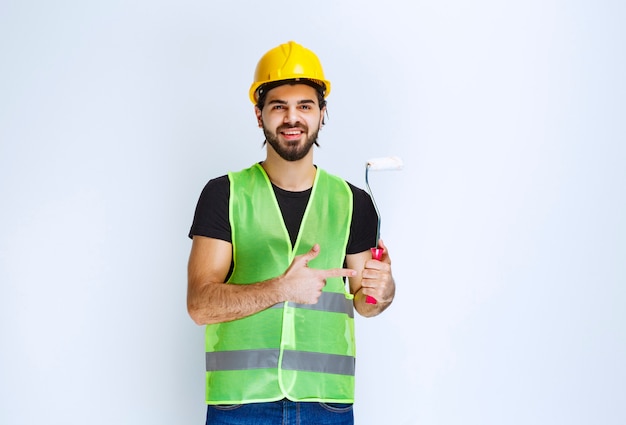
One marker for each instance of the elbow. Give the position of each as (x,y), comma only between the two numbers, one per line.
(196,315)
(200,316)
(198,321)
(195,308)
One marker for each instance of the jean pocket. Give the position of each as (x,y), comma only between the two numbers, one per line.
(337,407)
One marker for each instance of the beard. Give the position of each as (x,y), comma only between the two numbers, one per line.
(291,151)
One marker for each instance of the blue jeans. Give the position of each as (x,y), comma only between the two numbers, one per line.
(283,412)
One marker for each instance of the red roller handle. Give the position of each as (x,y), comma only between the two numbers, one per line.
(377,254)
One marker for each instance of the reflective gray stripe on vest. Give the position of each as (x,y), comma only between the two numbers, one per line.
(268,359)
(318,362)
(242,360)
(332,302)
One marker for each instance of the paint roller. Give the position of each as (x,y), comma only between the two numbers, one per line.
(389,163)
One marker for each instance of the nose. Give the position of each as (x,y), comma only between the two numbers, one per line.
(291,115)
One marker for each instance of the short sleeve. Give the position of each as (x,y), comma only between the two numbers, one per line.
(211,214)
(364,222)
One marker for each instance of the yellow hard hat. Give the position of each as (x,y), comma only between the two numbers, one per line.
(287,62)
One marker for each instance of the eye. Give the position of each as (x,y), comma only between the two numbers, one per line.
(277,107)
(305,107)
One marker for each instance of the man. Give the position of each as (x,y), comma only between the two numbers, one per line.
(272,246)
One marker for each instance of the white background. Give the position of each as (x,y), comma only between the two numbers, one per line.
(506,227)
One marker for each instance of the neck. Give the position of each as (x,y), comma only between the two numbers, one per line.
(294,176)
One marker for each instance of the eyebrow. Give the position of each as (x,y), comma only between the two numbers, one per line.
(284,102)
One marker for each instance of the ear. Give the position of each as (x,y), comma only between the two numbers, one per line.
(259,117)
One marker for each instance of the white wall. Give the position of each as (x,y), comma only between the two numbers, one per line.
(506,227)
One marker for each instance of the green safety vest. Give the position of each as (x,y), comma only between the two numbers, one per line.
(295,351)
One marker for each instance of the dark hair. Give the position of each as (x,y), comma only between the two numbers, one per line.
(319,87)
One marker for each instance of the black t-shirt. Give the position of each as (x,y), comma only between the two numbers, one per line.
(211,215)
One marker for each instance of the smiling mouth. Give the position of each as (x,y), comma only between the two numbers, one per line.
(292,133)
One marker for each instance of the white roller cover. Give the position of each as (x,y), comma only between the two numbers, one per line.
(385,163)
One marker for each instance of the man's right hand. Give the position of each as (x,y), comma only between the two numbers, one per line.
(303,284)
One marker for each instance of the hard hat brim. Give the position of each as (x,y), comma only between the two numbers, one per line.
(257,89)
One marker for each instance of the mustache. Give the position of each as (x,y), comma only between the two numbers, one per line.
(299,126)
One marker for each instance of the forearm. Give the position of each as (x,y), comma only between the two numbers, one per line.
(222,302)
(209,300)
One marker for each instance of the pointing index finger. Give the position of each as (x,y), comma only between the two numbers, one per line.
(339,273)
